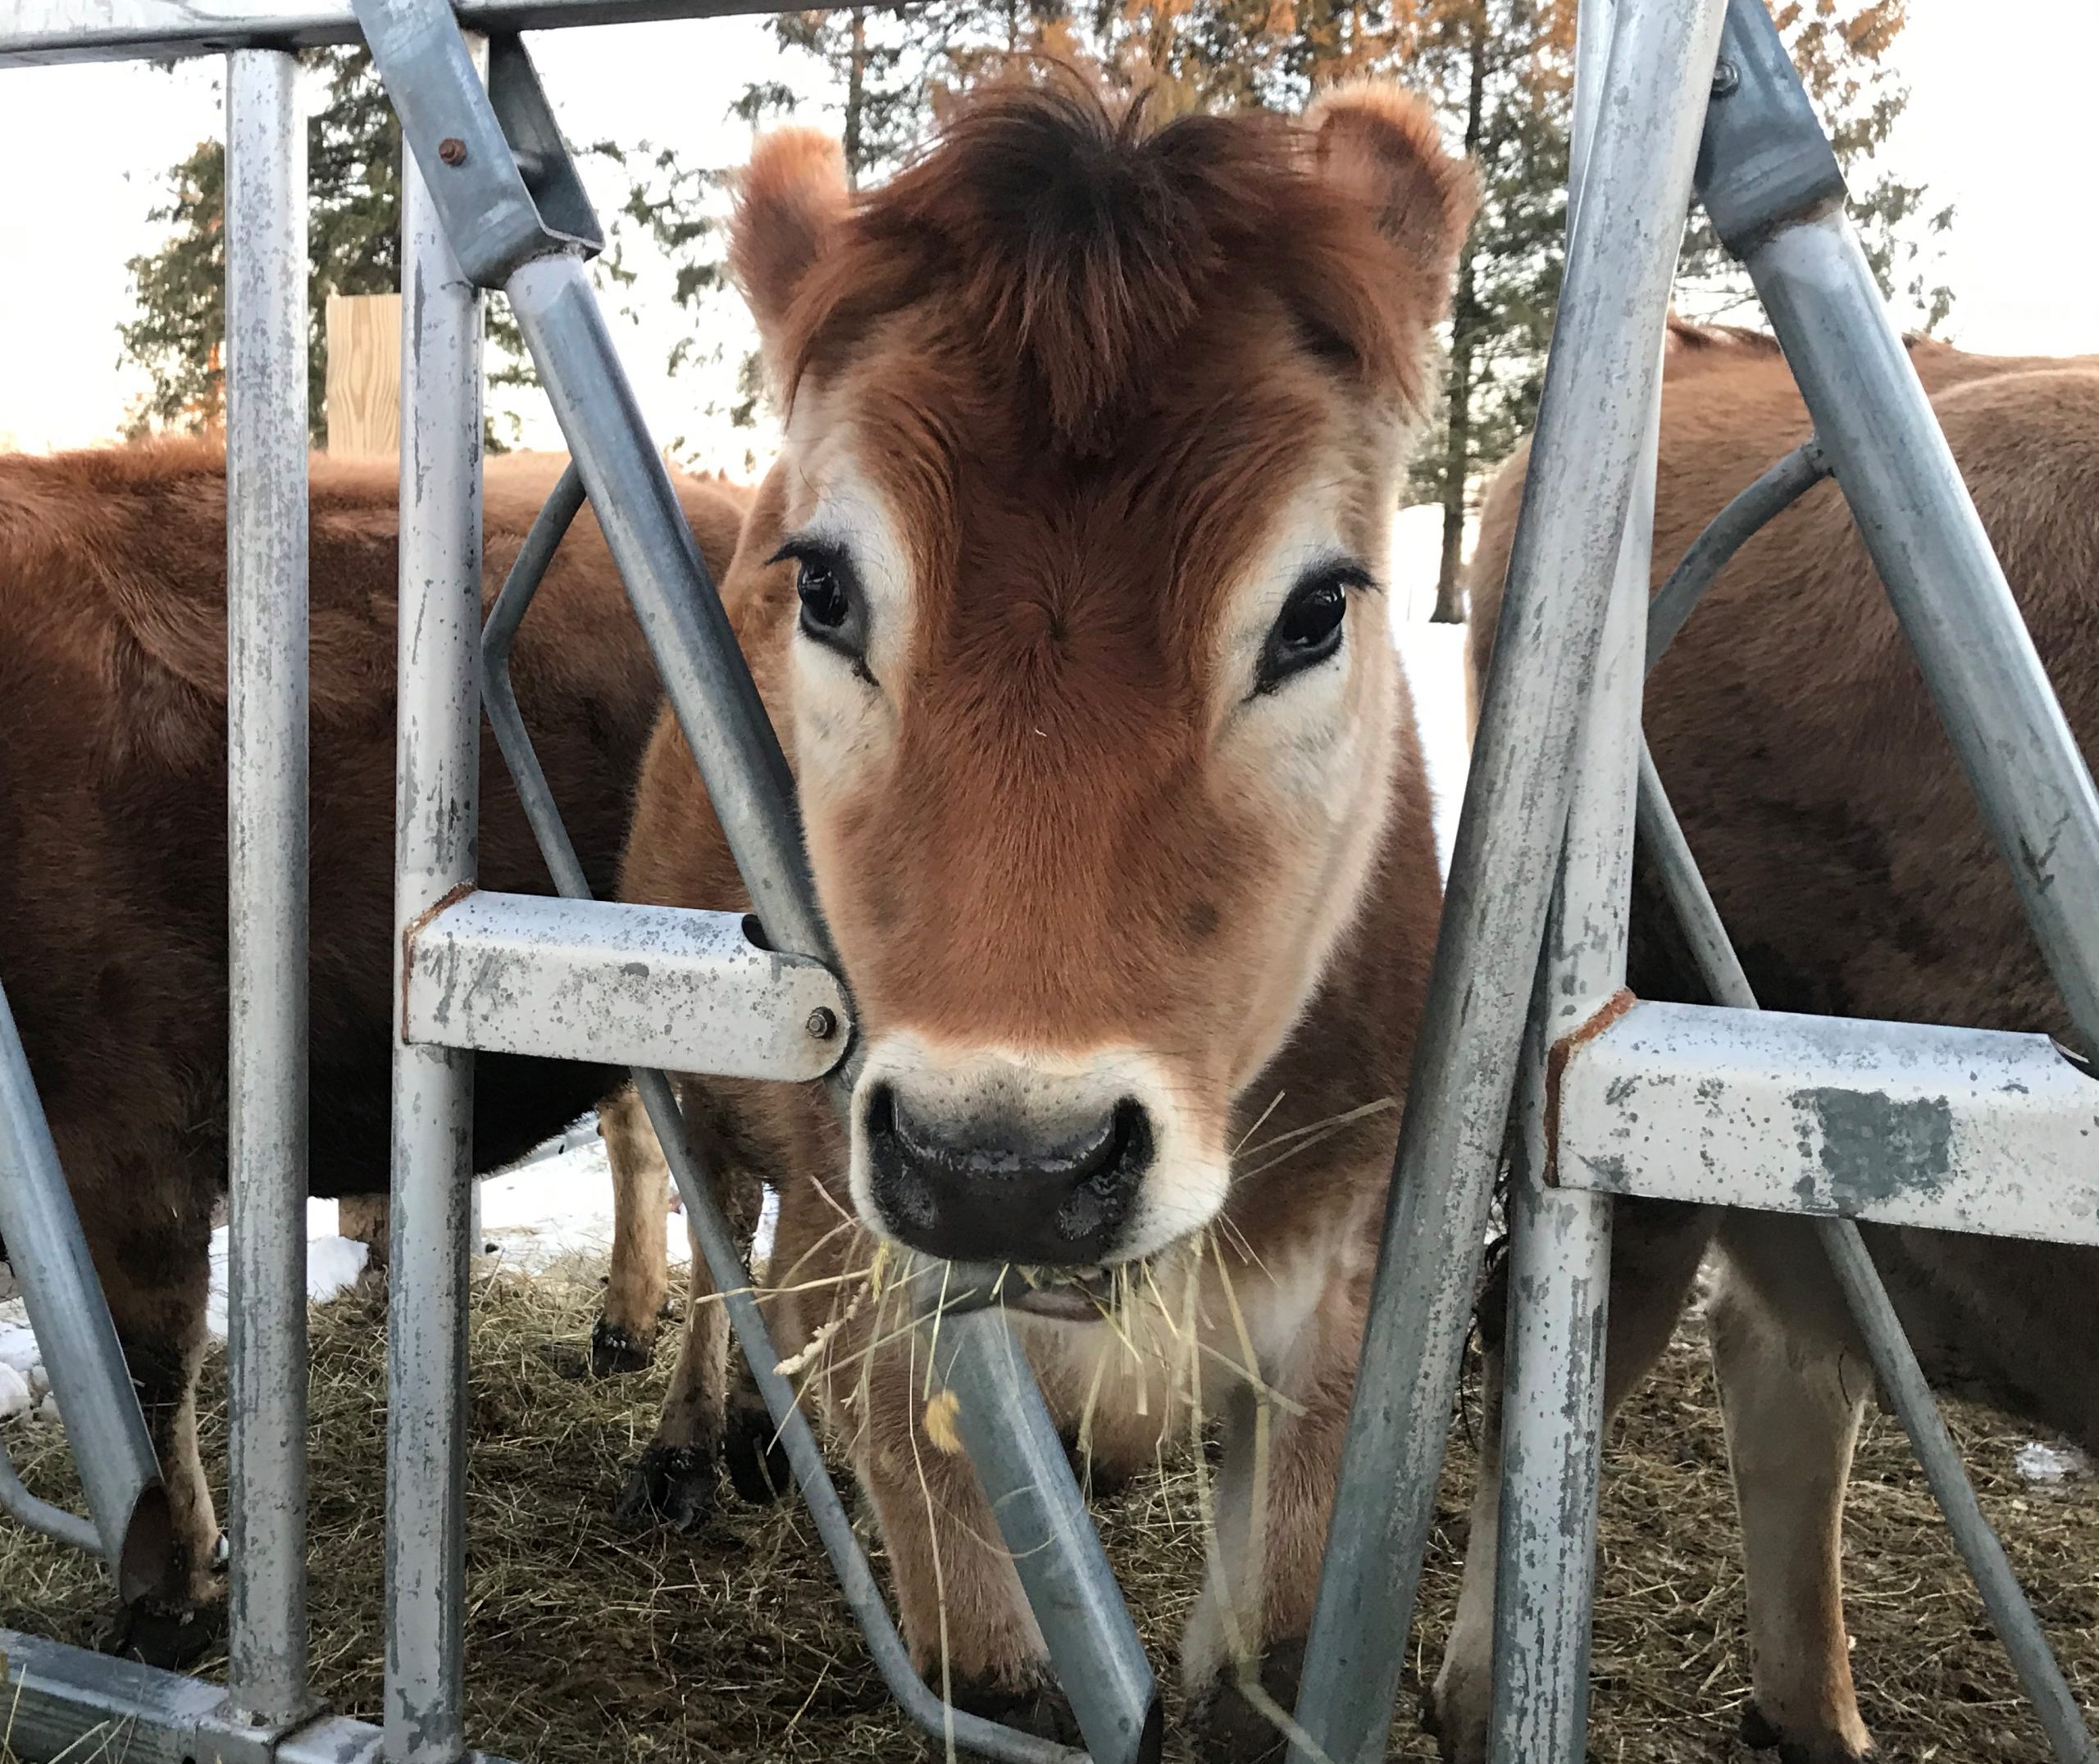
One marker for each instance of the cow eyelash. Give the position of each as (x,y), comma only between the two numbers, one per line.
(1308,631)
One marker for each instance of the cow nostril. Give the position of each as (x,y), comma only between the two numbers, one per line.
(1005,1189)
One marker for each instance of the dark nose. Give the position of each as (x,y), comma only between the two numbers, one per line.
(1003,1190)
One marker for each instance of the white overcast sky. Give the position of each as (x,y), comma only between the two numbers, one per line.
(1999,125)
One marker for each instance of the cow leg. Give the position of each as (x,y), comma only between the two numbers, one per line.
(675,1479)
(157,1278)
(964,1616)
(624,1337)
(1655,1249)
(1243,1650)
(366,1219)
(1791,1392)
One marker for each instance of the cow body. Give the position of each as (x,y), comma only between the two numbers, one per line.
(1062,599)
(113,867)
(1852,868)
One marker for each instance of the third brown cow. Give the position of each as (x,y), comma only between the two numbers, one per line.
(1851,863)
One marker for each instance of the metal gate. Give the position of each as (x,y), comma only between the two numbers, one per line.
(492,202)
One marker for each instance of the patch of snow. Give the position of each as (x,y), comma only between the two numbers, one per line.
(1434,657)
(2035,1462)
(14,1394)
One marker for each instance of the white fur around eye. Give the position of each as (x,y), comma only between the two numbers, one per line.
(841,721)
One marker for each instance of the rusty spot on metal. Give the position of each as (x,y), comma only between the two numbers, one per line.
(1555,1067)
(414,928)
(452,150)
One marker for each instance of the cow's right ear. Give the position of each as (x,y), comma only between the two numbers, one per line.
(791,201)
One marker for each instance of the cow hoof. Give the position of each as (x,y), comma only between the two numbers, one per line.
(1454,1712)
(1034,1705)
(1760,1733)
(758,1470)
(1232,1727)
(672,1485)
(615,1353)
(171,1634)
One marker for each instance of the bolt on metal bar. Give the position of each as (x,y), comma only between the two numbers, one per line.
(1873,420)
(437,795)
(1894,1361)
(1599,383)
(1776,489)
(724,1258)
(267,881)
(1552,1407)
(96,1401)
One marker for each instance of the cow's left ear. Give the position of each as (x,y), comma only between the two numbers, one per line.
(1380,143)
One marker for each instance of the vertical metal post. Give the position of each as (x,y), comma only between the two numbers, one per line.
(1599,388)
(436,808)
(1552,1409)
(266,879)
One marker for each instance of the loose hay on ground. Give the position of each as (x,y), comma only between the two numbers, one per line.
(585,1642)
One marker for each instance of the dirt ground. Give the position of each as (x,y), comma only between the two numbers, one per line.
(586,1642)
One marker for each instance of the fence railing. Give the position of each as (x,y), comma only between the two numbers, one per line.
(1670,93)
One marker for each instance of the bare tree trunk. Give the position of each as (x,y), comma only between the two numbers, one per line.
(1464,349)
(856,95)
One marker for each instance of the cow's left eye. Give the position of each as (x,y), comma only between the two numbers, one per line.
(1308,630)
(834,609)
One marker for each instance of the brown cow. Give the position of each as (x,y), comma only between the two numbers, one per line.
(1063,597)
(1849,860)
(112,863)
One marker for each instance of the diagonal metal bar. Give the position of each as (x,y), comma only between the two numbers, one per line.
(1599,378)
(724,1256)
(1769,179)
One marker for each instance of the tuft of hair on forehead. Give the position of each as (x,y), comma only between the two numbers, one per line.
(1065,242)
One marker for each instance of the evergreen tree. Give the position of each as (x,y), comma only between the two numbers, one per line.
(353,247)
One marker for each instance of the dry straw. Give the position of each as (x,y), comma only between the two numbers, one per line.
(587,1643)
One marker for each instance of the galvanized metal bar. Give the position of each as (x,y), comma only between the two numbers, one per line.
(436,804)
(1014,1448)
(834,1525)
(1919,1125)
(1776,489)
(1552,1405)
(39,1515)
(1913,509)
(96,1401)
(527,570)
(705,675)
(64,1703)
(663,986)
(267,895)
(1895,1364)
(42,33)
(1584,464)
(723,1255)
(1895,1361)
(724,723)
